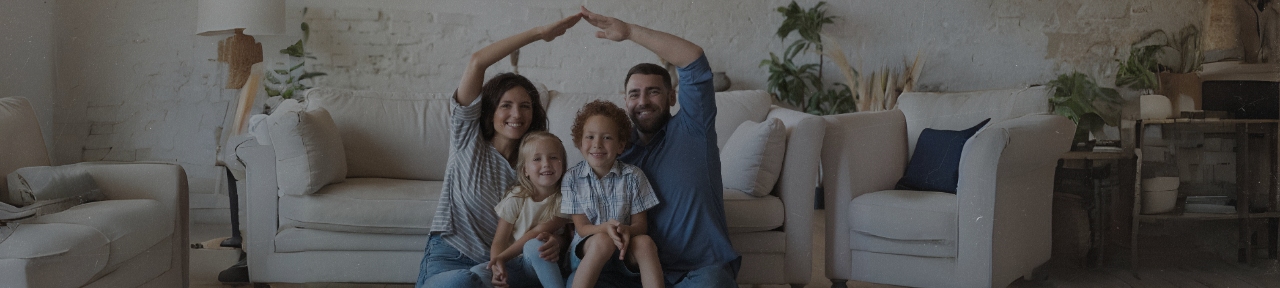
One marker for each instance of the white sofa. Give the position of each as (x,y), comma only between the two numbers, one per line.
(135,237)
(373,226)
(995,229)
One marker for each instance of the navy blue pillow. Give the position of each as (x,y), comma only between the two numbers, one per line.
(935,166)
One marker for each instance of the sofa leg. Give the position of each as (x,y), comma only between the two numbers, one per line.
(838,283)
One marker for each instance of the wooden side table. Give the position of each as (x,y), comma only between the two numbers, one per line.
(1099,216)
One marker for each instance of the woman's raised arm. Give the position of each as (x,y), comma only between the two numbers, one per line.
(473,77)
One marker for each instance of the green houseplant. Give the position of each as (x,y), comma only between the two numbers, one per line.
(285,82)
(1077,97)
(801,85)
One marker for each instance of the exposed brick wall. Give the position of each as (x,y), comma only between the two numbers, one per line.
(134,82)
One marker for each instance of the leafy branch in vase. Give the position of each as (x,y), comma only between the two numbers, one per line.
(286,82)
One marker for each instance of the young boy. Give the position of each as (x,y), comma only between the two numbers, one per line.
(607,200)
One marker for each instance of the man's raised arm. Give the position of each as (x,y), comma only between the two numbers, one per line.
(674,49)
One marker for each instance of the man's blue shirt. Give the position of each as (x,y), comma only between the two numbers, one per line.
(683,165)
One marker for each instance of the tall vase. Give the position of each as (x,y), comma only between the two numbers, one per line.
(1183,90)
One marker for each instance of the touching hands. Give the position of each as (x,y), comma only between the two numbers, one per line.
(551,31)
(499,268)
(611,28)
(621,235)
(550,249)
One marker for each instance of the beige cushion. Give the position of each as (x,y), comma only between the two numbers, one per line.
(389,134)
(746,213)
(51,255)
(131,226)
(735,107)
(919,223)
(752,158)
(39,183)
(294,239)
(308,149)
(366,205)
(759,242)
(22,144)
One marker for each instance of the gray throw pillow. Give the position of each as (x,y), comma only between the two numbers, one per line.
(751,159)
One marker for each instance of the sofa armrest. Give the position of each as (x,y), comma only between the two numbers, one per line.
(261,203)
(1006,175)
(796,183)
(861,153)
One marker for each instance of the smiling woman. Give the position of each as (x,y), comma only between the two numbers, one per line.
(483,146)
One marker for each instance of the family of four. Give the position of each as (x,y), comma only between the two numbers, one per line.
(645,204)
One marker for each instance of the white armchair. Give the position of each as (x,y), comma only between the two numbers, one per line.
(135,237)
(993,230)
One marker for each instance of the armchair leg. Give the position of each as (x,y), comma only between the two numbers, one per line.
(838,283)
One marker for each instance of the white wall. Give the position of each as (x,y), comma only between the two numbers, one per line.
(26,57)
(134,82)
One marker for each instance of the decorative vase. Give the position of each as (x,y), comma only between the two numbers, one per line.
(720,81)
(1181,88)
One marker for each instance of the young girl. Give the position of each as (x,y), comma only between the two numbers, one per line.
(528,214)
(608,200)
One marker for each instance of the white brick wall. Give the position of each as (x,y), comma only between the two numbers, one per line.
(134,83)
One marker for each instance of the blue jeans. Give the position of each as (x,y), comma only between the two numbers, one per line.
(445,266)
(527,270)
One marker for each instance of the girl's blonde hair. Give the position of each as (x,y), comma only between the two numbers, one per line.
(524,187)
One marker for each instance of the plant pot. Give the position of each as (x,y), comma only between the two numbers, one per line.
(1180,88)
(1158,202)
(1155,107)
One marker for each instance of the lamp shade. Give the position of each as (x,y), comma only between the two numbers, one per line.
(256,17)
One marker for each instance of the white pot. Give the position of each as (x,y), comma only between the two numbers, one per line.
(1156,107)
(1160,184)
(1157,202)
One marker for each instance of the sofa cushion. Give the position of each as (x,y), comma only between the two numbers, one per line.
(762,242)
(935,165)
(919,223)
(308,149)
(51,255)
(752,159)
(389,134)
(294,239)
(365,205)
(735,107)
(746,213)
(130,226)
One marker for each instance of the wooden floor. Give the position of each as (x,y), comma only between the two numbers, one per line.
(1206,271)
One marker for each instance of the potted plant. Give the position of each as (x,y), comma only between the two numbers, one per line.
(801,85)
(1077,97)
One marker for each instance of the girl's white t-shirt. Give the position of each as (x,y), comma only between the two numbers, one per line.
(524,213)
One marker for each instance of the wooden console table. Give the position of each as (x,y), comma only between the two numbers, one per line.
(1241,130)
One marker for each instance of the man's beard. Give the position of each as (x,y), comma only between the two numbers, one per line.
(654,124)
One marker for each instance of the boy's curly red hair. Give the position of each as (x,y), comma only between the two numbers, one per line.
(608,110)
